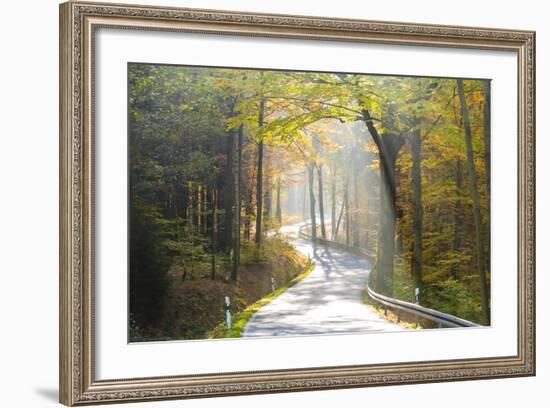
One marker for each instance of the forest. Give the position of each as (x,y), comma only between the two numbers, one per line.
(221,158)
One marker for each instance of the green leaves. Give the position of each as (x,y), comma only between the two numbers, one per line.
(181,119)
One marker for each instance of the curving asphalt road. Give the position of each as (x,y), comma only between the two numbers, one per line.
(327,301)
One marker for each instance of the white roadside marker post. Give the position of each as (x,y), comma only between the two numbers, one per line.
(272,284)
(227,312)
(417,300)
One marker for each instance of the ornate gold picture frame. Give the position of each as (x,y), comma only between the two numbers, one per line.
(79,22)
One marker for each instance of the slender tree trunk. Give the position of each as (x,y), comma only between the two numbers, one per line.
(249,204)
(237,200)
(480,252)
(229,192)
(333,200)
(189,209)
(268,192)
(293,207)
(247,218)
(398,235)
(259,178)
(278,211)
(368,203)
(355,218)
(268,199)
(487,155)
(199,208)
(346,201)
(213,237)
(205,208)
(339,220)
(487,135)
(305,201)
(321,201)
(299,199)
(417,223)
(457,215)
(311,176)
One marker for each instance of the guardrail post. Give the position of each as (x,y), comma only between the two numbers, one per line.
(417,301)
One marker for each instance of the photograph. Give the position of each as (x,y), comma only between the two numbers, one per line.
(260,202)
(269,202)
(219,204)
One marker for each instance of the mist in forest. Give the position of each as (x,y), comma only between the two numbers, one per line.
(221,159)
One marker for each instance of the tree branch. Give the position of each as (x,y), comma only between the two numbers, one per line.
(358,112)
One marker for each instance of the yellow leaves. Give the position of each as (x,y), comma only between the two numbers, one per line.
(371,147)
(374,164)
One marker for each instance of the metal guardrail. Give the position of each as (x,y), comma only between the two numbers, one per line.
(442,319)
(301,233)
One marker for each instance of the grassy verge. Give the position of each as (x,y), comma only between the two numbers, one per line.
(241,319)
(388,314)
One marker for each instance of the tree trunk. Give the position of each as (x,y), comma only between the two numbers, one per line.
(204,209)
(268,199)
(487,155)
(355,218)
(368,203)
(305,201)
(386,244)
(213,237)
(485,318)
(278,211)
(259,178)
(346,201)
(237,213)
(189,212)
(487,135)
(311,176)
(457,215)
(249,204)
(339,220)
(333,201)
(321,201)
(229,192)
(388,150)
(199,208)
(247,219)
(417,223)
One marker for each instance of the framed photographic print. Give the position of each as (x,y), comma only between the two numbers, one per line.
(256,203)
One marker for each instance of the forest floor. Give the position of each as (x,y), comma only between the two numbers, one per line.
(221,331)
(195,306)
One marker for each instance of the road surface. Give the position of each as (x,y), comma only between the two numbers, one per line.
(327,301)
